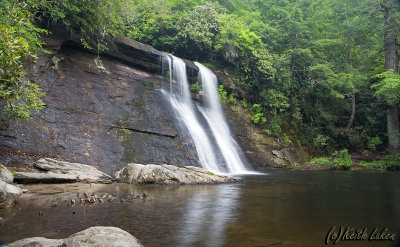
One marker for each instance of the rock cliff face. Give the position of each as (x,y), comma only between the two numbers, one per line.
(111,112)
(105,118)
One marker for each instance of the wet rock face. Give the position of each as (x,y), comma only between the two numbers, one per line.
(105,119)
(94,236)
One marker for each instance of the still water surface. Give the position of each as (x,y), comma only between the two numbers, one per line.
(280,208)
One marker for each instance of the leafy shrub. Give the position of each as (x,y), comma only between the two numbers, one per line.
(287,139)
(196,87)
(392,162)
(222,92)
(344,159)
(320,160)
(258,115)
(373,142)
(372,164)
(232,100)
(275,126)
(320,141)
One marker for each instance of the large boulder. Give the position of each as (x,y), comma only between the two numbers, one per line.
(80,171)
(98,236)
(5,174)
(8,194)
(168,174)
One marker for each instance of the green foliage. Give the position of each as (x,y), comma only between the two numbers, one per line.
(388,86)
(232,100)
(92,20)
(321,141)
(275,100)
(373,142)
(275,126)
(286,138)
(19,42)
(222,92)
(321,160)
(258,115)
(302,62)
(198,30)
(14,174)
(372,164)
(344,159)
(390,162)
(196,87)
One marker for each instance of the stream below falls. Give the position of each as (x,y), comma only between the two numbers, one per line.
(279,208)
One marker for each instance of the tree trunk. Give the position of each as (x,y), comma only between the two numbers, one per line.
(390,64)
(353,111)
(393,129)
(350,61)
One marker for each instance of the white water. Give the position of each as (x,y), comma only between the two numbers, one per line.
(180,98)
(214,115)
(184,108)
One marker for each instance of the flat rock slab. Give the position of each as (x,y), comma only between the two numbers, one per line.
(34,178)
(169,174)
(94,236)
(81,171)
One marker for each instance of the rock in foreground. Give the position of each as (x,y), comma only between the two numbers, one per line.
(169,174)
(94,236)
(5,174)
(8,194)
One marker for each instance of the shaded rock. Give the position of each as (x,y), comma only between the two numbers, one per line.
(80,171)
(5,174)
(102,119)
(37,242)
(94,236)
(8,194)
(168,174)
(29,177)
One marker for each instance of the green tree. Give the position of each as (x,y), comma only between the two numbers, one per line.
(19,42)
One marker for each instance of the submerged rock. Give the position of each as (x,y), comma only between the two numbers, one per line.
(169,174)
(8,194)
(98,236)
(80,171)
(5,174)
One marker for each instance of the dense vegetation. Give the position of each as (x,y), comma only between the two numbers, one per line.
(322,72)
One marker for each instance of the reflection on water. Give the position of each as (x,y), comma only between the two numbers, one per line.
(285,208)
(206,214)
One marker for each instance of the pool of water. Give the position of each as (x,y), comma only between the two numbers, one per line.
(280,208)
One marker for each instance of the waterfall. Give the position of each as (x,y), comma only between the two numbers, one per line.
(214,115)
(182,103)
(218,142)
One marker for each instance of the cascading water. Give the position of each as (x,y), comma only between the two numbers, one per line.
(214,115)
(219,140)
(184,108)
